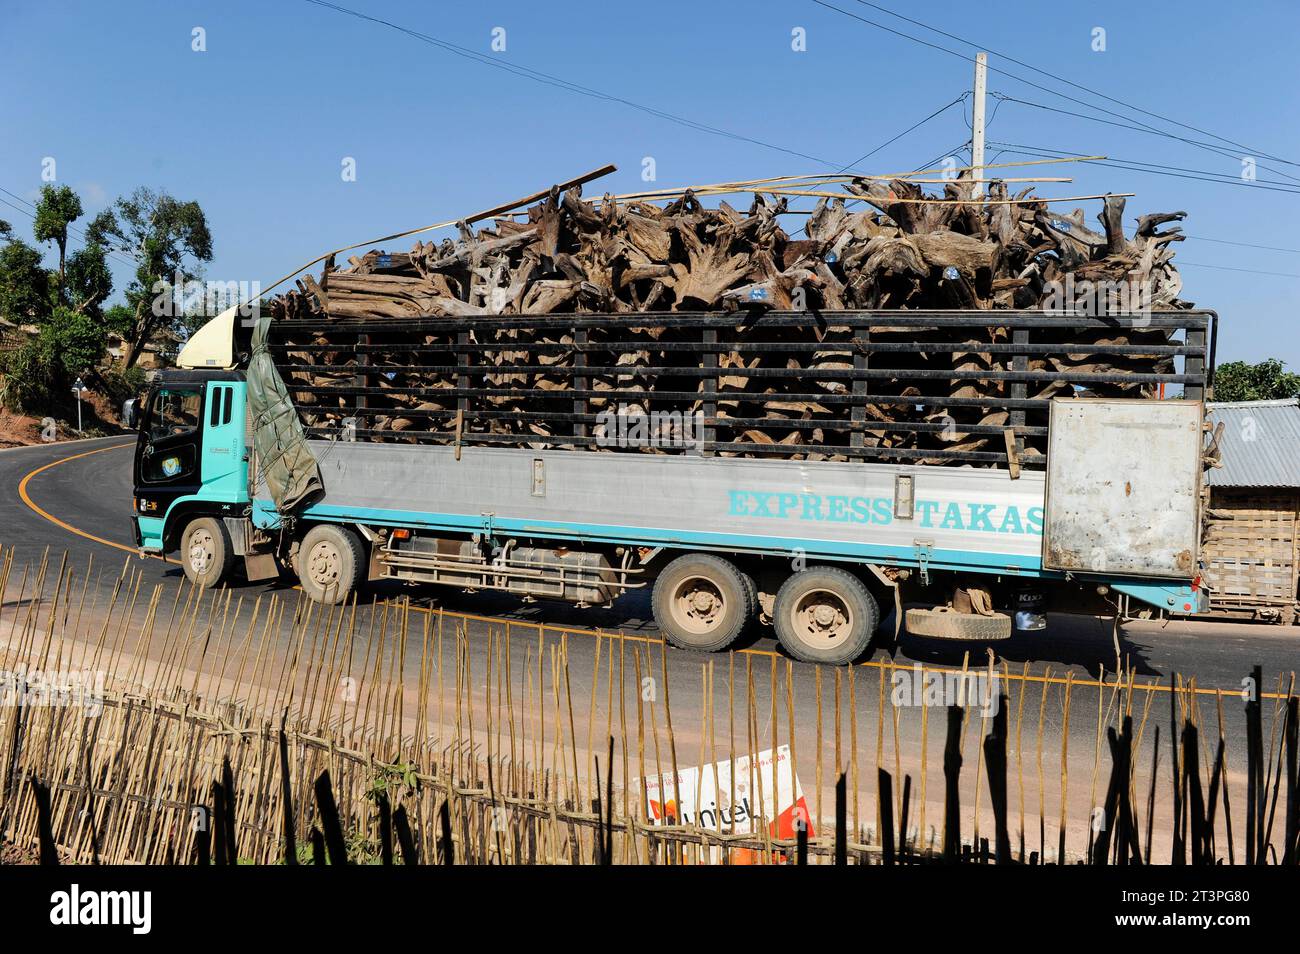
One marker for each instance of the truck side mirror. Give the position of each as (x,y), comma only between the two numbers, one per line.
(130,412)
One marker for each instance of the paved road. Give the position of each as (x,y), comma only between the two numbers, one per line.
(84,491)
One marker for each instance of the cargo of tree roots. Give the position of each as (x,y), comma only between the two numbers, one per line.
(883,323)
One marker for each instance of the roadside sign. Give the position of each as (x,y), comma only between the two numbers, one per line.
(77,388)
(763,788)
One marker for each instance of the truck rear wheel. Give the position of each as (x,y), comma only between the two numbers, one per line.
(701,602)
(825,615)
(329,563)
(206,552)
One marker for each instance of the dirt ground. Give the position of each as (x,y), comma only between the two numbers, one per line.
(18,430)
(100,418)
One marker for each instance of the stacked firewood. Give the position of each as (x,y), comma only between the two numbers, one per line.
(883,245)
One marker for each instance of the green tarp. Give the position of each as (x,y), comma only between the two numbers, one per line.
(284,460)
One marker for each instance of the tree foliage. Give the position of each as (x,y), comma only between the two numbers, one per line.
(1266,381)
(88,282)
(25,284)
(67,344)
(56,209)
(169,240)
(66,306)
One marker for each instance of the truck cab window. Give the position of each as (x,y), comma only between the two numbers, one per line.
(171,452)
(174,413)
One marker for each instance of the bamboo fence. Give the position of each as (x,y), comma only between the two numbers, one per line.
(260,727)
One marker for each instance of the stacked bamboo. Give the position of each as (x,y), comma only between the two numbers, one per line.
(875,245)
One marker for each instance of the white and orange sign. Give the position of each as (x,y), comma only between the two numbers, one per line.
(763,787)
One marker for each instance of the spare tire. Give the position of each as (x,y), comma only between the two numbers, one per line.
(944,622)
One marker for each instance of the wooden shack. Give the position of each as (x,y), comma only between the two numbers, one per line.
(1251,547)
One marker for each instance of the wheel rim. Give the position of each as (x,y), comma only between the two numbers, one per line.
(324,565)
(202,552)
(822,619)
(699,605)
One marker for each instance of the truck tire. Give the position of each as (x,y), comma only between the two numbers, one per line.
(751,599)
(206,552)
(943,622)
(330,562)
(701,602)
(825,615)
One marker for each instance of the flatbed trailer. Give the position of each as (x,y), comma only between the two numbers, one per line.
(984,540)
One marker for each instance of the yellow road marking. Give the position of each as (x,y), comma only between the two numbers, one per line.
(889,665)
(26,498)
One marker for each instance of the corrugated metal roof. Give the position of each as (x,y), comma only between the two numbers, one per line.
(1261,443)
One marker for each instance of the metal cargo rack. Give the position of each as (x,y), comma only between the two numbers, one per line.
(1030,333)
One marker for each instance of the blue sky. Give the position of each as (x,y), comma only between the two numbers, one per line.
(256,128)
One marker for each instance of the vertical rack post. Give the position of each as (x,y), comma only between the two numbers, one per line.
(861,361)
(462,385)
(580,380)
(1019,389)
(709,385)
(1195,364)
(362,379)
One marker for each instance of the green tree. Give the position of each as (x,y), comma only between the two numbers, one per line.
(1266,381)
(56,209)
(24,284)
(119,318)
(40,372)
(169,239)
(88,282)
(67,306)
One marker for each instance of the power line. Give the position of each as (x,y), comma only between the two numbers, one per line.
(121,259)
(1139,128)
(1062,79)
(1177,172)
(1136,162)
(943,155)
(1269,248)
(548,79)
(895,139)
(917,125)
(1042,151)
(1231,268)
(1021,79)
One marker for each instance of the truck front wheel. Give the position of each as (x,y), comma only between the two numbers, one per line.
(206,552)
(329,562)
(701,602)
(825,615)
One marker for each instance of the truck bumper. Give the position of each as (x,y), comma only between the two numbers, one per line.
(149,534)
(1175,599)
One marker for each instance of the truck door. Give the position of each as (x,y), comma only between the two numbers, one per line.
(168,458)
(223,463)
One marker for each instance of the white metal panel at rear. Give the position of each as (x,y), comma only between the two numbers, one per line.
(1123,487)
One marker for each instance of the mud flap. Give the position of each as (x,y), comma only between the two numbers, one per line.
(898,598)
(260,566)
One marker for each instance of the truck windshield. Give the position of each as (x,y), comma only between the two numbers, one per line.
(174,412)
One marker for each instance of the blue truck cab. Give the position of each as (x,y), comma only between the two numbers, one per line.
(190,474)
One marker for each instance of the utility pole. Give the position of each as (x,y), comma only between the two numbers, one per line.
(977,123)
